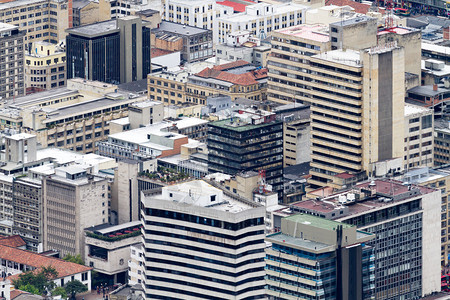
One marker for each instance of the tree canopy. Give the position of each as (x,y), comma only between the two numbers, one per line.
(74,258)
(37,282)
(74,287)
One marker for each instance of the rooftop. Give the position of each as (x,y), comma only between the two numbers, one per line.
(282,238)
(279,8)
(398,30)
(345,57)
(436,48)
(361,8)
(138,86)
(43,96)
(427,90)
(411,110)
(16,3)
(181,29)
(96,29)
(352,21)
(316,32)
(316,221)
(64,268)
(14,241)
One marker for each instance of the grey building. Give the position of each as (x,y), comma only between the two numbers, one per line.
(115,51)
(12,80)
(197,42)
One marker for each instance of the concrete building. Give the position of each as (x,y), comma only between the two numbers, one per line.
(435,52)
(168,86)
(45,67)
(201,14)
(441,142)
(296,133)
(40,20)
(12,51)
(183,110)
(419,142)
(230,269)
(403,218)
(89,11)
(438,178)
(249,141)
(125,56)
(259,19)
(237,79)
(107,249)
(335,252)
(73,200)
(136,265)
(194,43)
(73,118)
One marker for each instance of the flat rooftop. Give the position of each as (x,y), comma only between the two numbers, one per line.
(347,57)
(352,21)
(316,32)
(96,29)
(411,109)
(316,221)
(398,30)
(16,3)
(179,29)
(36,98)
(436,48)
(282,238)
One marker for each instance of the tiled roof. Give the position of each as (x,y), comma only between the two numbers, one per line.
(237,7)
(155,52)
(64,268)
(16,293)
(220,73)
(14,241)
(357,6)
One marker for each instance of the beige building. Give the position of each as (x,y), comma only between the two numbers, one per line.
(419,140)
(45,67)
(183,110)
(75,118)
(42,20)
(168,87)
(73,200)
(90,11)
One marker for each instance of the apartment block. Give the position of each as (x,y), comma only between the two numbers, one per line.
(249,141)
(115,51)
(200,14)
(73,118)
(168,86)
(238,79)
(403,219)
(419,142)
(195,43)
(73,200)
(438,178)
(331,260)
(45,67)
(259,19)
(12,51)
(441,142)
(41,20)
(230,269)
(292,48)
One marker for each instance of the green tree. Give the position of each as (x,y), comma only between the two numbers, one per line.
(29,288)
(74,258)
(59,290)
(75,287)
(42,280)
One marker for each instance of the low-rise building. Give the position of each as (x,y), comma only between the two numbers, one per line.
(45,67)
(107,248)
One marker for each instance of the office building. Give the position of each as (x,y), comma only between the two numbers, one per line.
(12,51)
(259,19)
(168,86)
(441,142)
(331,260)
(195,43)
(73,200)
(403,219)
(73,118)
(438,178)
(179,265)
(418,137)
(249,141)
(45,67)
(115,51)
(238,79)
(40,20)
(200,14)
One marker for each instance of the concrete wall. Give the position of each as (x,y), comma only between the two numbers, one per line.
(127,205)
(95,12)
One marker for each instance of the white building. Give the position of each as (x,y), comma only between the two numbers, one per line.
(259,19)
(419,140)
(136,265)
(202,242)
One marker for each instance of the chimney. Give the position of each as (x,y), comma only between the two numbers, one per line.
(435,87)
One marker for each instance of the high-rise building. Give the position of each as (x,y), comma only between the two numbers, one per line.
(314,258)
(12,51)
(202,242)
(73,200)
(250,141)
(115,51)
(406,222)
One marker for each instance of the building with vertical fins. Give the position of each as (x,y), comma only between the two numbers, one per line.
(201,242)
(115,51)
(315,258)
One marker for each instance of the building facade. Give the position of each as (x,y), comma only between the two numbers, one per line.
(250,141)
(230,269)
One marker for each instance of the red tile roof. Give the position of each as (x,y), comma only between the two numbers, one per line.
(14,241)
(16,293)
(220,73)
(358,7)
(345,175)
(64,268)
(155,52)
(237,7)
